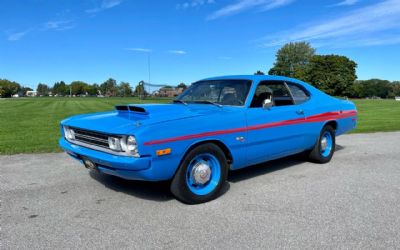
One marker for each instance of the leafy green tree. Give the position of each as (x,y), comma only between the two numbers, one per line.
(182,85)
(42,89)
(395,89)
(332,74)
(124,89)
(109,87)
(8,88)
(92,90)
(372,88)
(78,87)
(259,72)
(60,88)
(140,90)
(292,60)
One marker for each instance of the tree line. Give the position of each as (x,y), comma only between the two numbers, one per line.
(333,74)
(108,88)
(75,88)
(80,88)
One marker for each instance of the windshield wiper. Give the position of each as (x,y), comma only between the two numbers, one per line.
(209,102)
(179,101)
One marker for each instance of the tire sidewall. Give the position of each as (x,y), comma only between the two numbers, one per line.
(330,130)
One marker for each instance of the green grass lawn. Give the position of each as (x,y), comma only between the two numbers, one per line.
(377,116)
(31,125)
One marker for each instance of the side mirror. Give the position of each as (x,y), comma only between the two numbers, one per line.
(267,103)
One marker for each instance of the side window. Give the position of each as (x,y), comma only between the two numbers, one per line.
(299,95)
(228,96)
(280,94)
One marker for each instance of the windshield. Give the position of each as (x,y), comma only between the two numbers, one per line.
(221,92)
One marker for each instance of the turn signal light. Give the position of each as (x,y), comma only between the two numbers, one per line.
(161,152)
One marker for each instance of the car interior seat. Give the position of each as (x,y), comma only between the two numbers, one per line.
(228,99)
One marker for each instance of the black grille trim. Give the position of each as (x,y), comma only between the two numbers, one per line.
(92,138)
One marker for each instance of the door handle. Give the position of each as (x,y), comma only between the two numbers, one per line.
(300,112)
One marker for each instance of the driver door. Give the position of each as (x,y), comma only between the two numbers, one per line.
(276,131)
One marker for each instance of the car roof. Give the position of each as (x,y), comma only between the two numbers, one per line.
(256,78)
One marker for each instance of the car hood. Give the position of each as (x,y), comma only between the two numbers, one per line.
(127,118)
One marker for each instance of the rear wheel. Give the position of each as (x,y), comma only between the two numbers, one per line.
(325,146)
(201,175)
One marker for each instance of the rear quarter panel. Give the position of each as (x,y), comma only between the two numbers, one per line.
(321,109)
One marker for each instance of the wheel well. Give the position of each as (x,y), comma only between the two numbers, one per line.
(220,144)
(333,124)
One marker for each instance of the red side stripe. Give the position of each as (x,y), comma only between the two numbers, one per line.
(314,118)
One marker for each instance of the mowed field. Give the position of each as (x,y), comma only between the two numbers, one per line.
(31,125)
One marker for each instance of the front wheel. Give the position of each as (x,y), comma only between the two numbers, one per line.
(201,175)
(325,146)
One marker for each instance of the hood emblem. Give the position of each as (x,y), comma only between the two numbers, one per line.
(138,124)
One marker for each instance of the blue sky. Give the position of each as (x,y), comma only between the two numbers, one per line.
(47,41)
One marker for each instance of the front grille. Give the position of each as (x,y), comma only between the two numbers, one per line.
(90,137)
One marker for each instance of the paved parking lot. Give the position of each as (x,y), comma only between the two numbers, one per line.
(49,201)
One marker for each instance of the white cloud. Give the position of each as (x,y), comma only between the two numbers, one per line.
(52,25)
(194,3)
(17,35)
(59,25)
(243,5)
(177,52)
(355,28)
(105,4)
(347,3)
(140,50)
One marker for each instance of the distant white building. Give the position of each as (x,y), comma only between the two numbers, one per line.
(31,93)
(15,96)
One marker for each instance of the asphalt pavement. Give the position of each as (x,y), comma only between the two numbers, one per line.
(50,201)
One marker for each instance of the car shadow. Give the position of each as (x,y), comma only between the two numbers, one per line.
(159,191)
(156,191)
(269,167)
(264,168)
(338,147)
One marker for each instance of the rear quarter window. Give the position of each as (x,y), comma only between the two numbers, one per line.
(298,93)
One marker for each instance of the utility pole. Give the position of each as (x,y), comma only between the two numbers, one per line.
(148,64)
(148,68)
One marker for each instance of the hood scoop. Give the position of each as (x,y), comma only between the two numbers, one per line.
(131,108)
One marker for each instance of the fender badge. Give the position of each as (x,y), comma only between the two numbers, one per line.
(240,138)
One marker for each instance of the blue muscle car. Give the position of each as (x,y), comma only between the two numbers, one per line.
(217,124)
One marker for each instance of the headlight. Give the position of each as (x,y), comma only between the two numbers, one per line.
(127,144)
(131,145)
(69,133)
(114,143)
